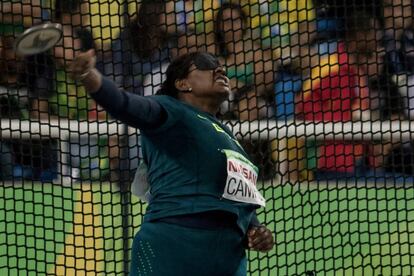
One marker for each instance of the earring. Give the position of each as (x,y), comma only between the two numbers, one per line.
(190,89)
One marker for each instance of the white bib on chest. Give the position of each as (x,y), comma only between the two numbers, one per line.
(241,180)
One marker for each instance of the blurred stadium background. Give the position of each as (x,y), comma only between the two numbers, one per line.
(66,166)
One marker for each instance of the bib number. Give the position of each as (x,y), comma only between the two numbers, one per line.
(241,180)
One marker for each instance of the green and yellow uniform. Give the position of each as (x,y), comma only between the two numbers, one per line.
(195,165)
(203,191)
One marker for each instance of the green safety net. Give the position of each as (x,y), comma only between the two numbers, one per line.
(321,101)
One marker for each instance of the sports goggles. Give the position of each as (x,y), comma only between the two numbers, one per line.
(205,62)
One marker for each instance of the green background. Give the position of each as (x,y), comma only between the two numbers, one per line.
(328,229)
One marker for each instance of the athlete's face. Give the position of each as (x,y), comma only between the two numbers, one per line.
(207,78)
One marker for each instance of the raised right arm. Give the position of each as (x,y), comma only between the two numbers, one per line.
(134,110)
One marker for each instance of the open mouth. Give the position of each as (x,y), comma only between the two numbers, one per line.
(222,80)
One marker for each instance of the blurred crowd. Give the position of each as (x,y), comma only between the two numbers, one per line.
(318,61)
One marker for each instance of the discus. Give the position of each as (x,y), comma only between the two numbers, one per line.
(38,39)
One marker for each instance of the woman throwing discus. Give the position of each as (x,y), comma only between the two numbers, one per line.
(201,214)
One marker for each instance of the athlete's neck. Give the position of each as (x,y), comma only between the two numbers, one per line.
(208,105)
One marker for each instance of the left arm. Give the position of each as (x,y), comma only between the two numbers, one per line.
(259,237)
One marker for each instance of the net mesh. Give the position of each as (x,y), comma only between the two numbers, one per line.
(321,101)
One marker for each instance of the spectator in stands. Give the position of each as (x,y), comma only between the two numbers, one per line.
(399,43)
(60,100)
(152,81)
(247,64)
(22,78)
(56,94)
(142,46)
(139,56)
(18,83)
(13,87)
(98,159)
(398,35)
(251,71)
(341,94)
(387,104)
(296,28)
(196,18)
(181,36)
(161,31)
(13,95)
(149,42)
(14,18)
(26,12)
(293,33)
(65,99)
(51,93)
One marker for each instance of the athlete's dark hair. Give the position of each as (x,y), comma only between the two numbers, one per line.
(177,70)
(219,20)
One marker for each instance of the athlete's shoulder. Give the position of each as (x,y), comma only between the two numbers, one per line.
(174,105)
(165,99)
(168,103)
(174,110)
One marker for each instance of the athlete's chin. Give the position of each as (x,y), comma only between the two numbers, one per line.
(224,92)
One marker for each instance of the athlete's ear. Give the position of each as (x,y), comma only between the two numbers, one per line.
(183,86)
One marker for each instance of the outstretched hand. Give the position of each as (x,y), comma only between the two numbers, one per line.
(260,239)
(79,65)
(82,68)
(82,64)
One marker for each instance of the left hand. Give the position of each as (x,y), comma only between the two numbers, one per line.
(260,239)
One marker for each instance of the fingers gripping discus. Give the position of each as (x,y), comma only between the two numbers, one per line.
(38,39)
